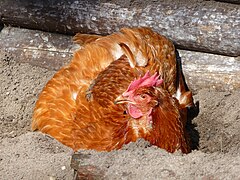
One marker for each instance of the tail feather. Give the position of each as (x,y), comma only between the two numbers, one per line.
(183,94)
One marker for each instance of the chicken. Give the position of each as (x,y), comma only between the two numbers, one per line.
(116,89)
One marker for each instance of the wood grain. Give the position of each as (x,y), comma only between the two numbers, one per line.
(52,51)
(47,50)
(206,26)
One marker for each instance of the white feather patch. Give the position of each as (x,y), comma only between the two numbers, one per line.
(74,95)
(178,94)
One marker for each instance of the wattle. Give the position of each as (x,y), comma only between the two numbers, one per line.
(134,111)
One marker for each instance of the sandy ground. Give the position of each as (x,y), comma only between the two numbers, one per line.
(32,155)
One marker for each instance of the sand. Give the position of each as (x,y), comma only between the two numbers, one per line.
(33,155)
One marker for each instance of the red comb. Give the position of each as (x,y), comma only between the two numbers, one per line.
(147,80)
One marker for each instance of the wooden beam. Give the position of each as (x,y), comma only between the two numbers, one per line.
(207,26)
(52,51)
(204,70)
(230,1)
(86,171)
(47,50)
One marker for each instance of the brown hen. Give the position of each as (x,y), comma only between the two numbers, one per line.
(116,89)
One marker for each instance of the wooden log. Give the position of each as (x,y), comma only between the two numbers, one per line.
(85,171)
(206,26)
(204,70)
(230,1)
(49,50)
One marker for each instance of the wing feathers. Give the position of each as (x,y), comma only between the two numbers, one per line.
(76,106)
(83,39)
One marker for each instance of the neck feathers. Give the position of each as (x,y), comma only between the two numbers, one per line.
(168,129)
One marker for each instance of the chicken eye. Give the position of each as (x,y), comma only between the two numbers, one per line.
(143,96)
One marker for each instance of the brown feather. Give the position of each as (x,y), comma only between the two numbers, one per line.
(83,39)
(77,105)
(168,131)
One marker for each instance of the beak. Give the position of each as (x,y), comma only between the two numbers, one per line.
(120,99)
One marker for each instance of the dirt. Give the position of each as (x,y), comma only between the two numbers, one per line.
(33,155)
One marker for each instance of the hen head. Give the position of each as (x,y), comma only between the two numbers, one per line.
(141,96)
